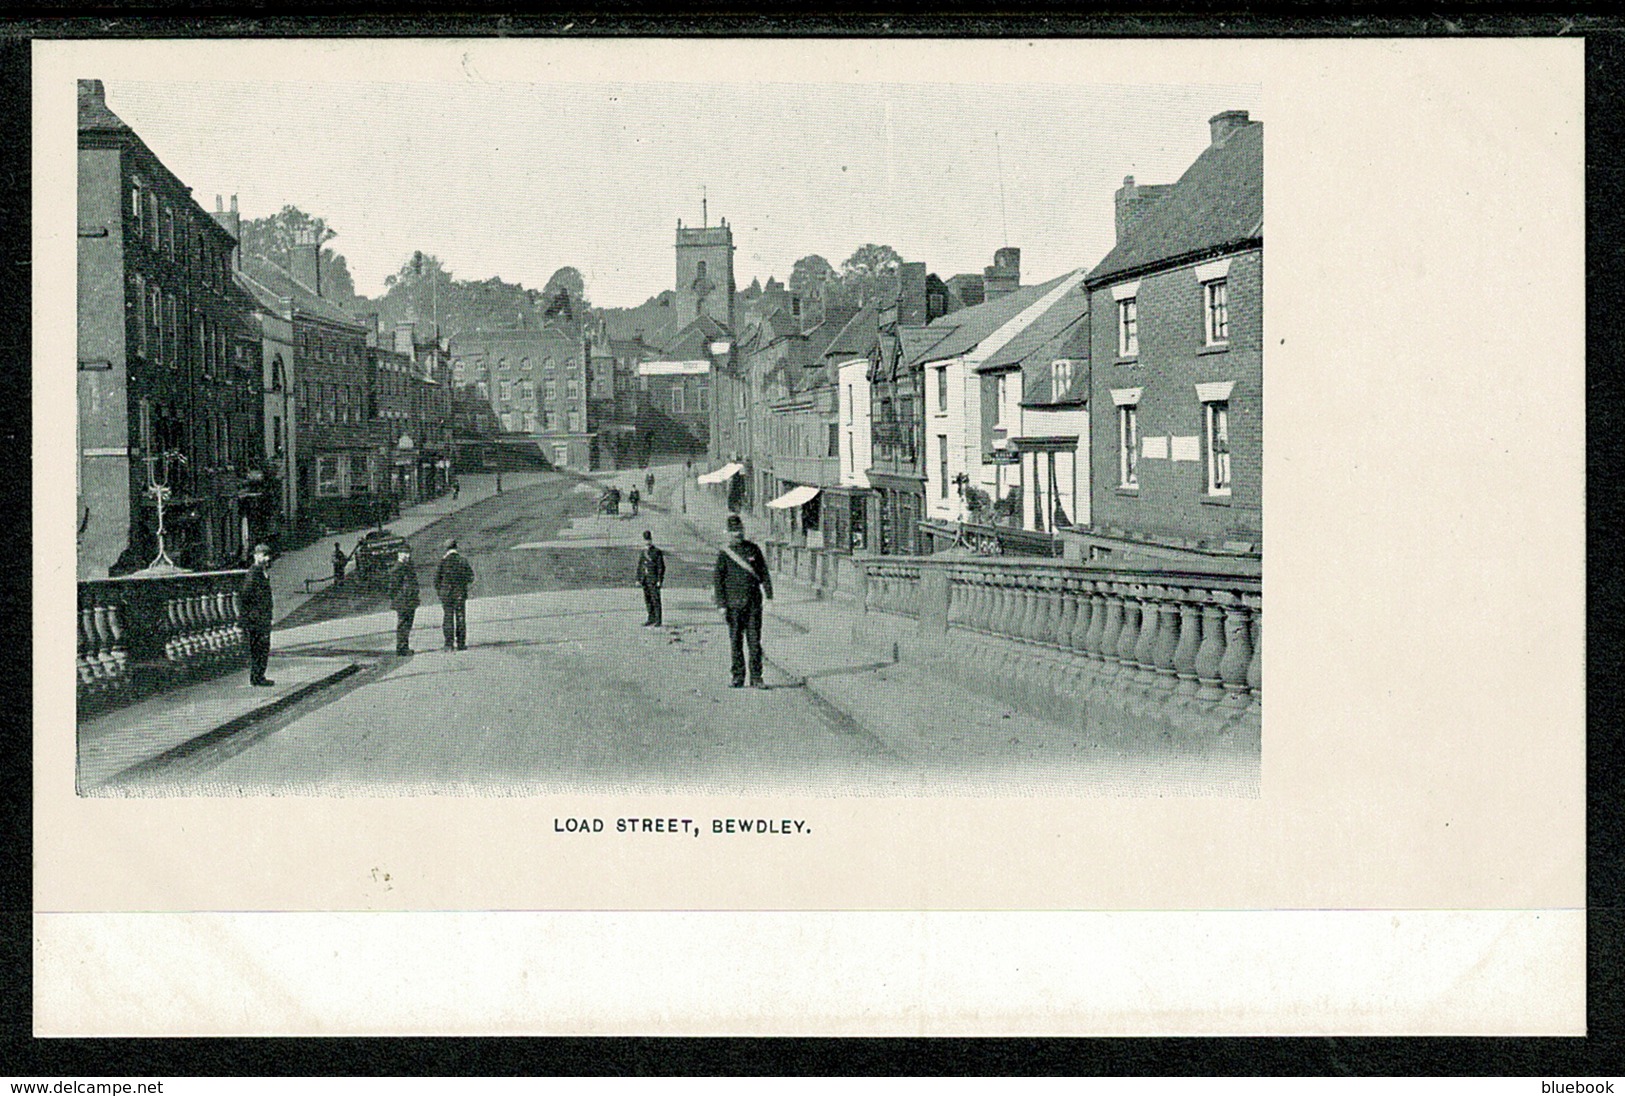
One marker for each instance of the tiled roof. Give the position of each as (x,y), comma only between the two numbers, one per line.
(971,325)
(1060,317)
(1217,203)
(693,342)
(1038,377)
(269,282)
(915,340)
(857,337)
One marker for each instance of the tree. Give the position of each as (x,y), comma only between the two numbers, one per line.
(866,269)
(809,273)
(272,239)
(569,279)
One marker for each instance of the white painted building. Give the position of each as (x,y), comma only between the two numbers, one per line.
(856,443)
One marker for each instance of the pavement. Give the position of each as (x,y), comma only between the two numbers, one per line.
(562,690)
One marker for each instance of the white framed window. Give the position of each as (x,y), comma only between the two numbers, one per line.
(1128,445)
(575,420)
(1128,327)
(942,465)
(677,399)
(561,456)
(942,388)
(1216,311)
(327,476)
(1216,439)
(1060,378)
(505,390)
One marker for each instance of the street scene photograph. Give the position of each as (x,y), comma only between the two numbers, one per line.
(506,439)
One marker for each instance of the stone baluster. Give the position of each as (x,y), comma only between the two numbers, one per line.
(1238,653)
(103,617)
(995,602)
(1067,619)
(1027,621)
(1145,648)
(986,601)
(121,651)
(1112,628)
(91,670)
(1050,608)
(1094,643)
(1130,634)
(1211,653)
(1190,641)
(1009,611)
(1168,639)
(1019,605)
(1079,639)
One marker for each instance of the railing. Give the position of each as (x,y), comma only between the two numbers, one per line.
(992,540)
(139,635)
(1185,632)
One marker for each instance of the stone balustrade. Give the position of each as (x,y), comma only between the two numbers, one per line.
(141,634)
(1188,632)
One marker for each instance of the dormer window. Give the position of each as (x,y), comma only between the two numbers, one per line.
(1060,378)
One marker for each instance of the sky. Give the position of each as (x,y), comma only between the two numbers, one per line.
(515,180)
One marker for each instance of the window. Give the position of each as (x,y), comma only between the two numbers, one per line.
(1216,415)
(1216,299)
(152,220)
(505,390)
(138,209)
(572,388)
(171,335)
(942,388)
(1128,446)
(169,233)
(575,420)
(561,456)
(155,322)
(276,374)
(1061,378)
(942,465)
(327,476)
(1128,327)
(834,440)
(677,399)
(276,435)
(502,365)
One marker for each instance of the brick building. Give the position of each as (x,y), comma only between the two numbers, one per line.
(1176,394)
(340,469)
(167,362)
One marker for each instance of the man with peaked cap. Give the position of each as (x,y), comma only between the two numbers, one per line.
(403,595)
(741,583)
(255,602)
(451,582)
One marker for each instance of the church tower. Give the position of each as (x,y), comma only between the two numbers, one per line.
(705,273)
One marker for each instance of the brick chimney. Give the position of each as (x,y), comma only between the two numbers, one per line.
(305,261)
(1224,123)
(232,222)
(1133,203)
(1004,276)
(404,333)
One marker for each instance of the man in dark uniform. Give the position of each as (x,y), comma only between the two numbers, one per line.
(741,583)
(451,580)
(339,560)
(651,576)
(256,615)
(403,595)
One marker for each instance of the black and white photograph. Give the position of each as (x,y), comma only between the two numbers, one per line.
(487,439)
(765,536)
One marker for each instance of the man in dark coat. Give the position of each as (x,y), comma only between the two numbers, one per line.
(451,581)
(403,595)
(256,615)
(741,583)
(339,560)
(651,576)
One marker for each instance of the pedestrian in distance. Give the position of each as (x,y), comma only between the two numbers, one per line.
(649,484)
(651,576)
(741,583)
(499,483)
(339,560)
(403,596)
(451,581)
(456,488)
(255,600)
(632,496)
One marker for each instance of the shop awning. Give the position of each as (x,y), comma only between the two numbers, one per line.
(726,472)
(796,496)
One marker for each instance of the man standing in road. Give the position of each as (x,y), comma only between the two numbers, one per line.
(339,560)
(649,484)
(256,615)
(451,581)
(741,583)
(403,595)
(651,576)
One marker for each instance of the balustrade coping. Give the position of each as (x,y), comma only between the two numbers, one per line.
(1242,584)
(181,576)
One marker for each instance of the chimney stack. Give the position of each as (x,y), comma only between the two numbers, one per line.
(306,261)
(404,334)
(1133,203)
(1224,123)
(232,223)
(1004,276)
